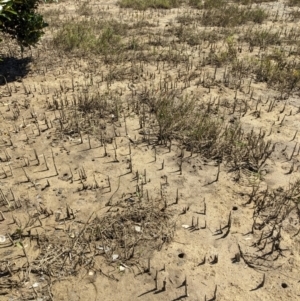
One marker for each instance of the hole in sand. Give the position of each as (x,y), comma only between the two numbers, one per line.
(284,285)
(234,208)
(181,255)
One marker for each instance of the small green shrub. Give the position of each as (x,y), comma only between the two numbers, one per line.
(262,38)
(189,35)
(89,36)
(233,15)
(144,4)
(207,4)
(278,72)
(294,2)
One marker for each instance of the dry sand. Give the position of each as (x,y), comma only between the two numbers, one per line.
(52,194)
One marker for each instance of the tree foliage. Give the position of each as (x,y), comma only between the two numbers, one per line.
(21,21)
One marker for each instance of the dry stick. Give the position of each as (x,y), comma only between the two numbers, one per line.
(104,146)
(4,173)
(130,165)
(156,280)
(10,170)
(76,240)
(204,209)
(283,107)
(166,204)
(260,285)
(81,140)
(294,136)
(186,287)
(271,106)
(180,166)
(47,168)
(162,164)
(293,152)
(177,197)
(96,183)
(116,158)
(8,157)
(108,180)
(164,288)
(68,212)
(2,216)
(38,128)
(217,177)
(291,169)
(125,244)
(154,154)
(126,132)
(282,120)
(13,196)
(298,151)
(148,270)
(10,239)
(54,162)
(228,226)
(215,293)
(83,173)
(4,197)
(7,87)
(25,254)
(28,179)
(36,157)
(89,140)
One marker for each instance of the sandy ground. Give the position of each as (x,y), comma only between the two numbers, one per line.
(54,183)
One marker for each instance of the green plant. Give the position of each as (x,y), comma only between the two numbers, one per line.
(294,2)
(192,36)
(277,71)
(229,55)
(207,4)
(262,38)
(144,4)
(249,2)
(20,20)
(232,15)
(89,35)
(170,112)
(84,9)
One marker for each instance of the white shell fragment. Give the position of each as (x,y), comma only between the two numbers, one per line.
(115,256)
(2,239)
(185,226)
(137,228)
(106,249)
(122,269)
(36,284)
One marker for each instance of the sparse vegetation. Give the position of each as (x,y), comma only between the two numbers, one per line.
(232,16)
(134,126)
(294,3)
(144,4)
(262,38)
(89,36)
